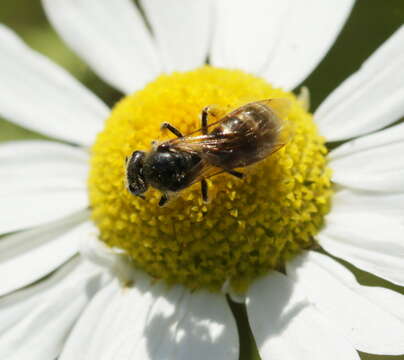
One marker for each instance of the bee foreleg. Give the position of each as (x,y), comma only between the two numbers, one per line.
(235,173)
(204,190)
(163,199)
(175,131)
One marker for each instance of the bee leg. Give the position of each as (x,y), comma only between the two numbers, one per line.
(204,120)
(204,190)
(175,131)
(235,173)
(163,199)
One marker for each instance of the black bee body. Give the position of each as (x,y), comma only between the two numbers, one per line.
(245,136)
(171,170)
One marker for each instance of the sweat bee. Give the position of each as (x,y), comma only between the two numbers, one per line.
(241,138)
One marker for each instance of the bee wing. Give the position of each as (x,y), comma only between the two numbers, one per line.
(203,143)
(280,106)
(216,145)
(214,152)
(212,147)
(208,171)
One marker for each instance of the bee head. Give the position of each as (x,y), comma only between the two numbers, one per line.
(135,180)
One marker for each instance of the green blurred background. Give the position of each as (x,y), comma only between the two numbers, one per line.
(371,22)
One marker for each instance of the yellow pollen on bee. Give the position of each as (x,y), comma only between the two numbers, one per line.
(249,227)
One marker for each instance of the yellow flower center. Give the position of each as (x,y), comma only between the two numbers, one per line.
(249,227)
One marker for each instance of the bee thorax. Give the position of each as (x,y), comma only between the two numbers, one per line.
(170,171)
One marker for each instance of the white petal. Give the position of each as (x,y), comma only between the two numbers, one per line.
(41,181)
(384,203)
(28,256)
(40,95)
(370,99)
(35,322)
(113,259)
(286,326)
(373,162)
(182,31)
(359,312)
(245,32)
(370,241)
(154,322)
(110,36)
(280,40)
(386,299)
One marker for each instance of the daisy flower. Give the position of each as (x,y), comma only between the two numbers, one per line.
(91,272)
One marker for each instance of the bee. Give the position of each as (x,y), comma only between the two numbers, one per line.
(239,139)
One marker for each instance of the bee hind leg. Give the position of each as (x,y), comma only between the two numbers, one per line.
(163,199)
(204,190)
(235,173)
(204,120)
(210,111)
(174,130)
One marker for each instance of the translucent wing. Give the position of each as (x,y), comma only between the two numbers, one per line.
(280,106)
(244,136)
(207,171)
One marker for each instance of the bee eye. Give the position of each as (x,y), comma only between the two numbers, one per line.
(137,188)
(132,188)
